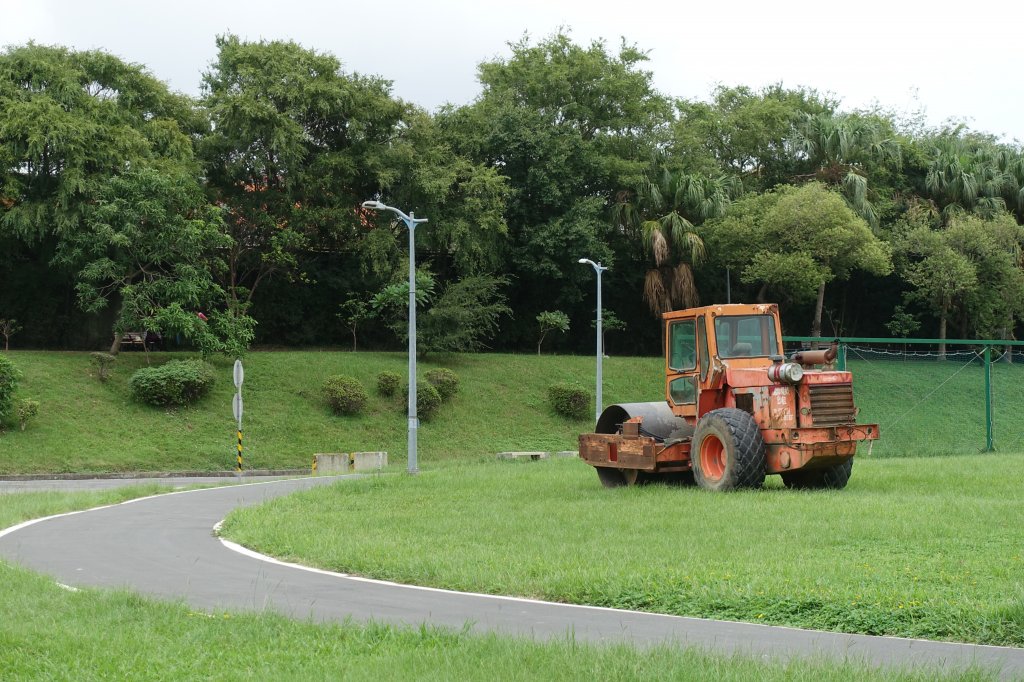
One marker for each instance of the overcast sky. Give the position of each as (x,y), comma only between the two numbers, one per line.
(953,60)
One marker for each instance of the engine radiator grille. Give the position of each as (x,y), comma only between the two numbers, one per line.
(832,404)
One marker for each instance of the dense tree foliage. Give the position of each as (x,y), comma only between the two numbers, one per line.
(70,122)
(125,205)
(151,243)
(568,126)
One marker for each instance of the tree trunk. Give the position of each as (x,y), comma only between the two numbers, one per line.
(115,347)
(942,334)
(816,325)
(762,293)
(353,339)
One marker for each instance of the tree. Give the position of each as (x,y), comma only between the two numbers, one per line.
(550,321)
(993,246)
(971,173)
(610,322)
(746,133)
(968,273)
(461,319)
(72,121)
(842,147)
(9,328)
(150,245)
(465,316)
(902,324)
(663,212)
(353,312)
(296,145)
(938,275)
(568,125)
(796,240)
(464,200)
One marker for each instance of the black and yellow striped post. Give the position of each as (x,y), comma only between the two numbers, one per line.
(238,467)
(236,408)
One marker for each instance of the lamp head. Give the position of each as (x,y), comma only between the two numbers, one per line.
(583,260)
(376,205)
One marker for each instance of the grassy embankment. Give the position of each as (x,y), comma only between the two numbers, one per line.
(925,547)
(86,426)
(50,633)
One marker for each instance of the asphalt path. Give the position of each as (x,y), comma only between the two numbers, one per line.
(165,546)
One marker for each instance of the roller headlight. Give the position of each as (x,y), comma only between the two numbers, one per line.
(786,372)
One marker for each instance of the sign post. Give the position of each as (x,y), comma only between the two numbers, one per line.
(236,405)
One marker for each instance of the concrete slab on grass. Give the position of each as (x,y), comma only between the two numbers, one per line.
(523,455)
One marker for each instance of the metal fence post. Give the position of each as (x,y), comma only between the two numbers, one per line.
(989,440)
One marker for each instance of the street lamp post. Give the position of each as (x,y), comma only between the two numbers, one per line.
(411,221)
(598,268)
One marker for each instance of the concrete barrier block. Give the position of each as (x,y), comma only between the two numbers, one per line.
(565,453)
(333,462)
(369,461)
(522,455)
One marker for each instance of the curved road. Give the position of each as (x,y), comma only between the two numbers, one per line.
(165,546)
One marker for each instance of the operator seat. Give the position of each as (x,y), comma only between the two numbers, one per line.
(741,350)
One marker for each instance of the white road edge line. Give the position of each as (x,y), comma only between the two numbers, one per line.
(245,551)
(30,522)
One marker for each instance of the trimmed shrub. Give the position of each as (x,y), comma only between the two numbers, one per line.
(570,400)
(27,411)
(445,381)
(9,376)
(388,383)
(428,400)
(178,382)
(103,362)
(345,395)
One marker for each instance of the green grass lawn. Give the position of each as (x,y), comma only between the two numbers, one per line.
(50,633)
(87,426)
(926,547)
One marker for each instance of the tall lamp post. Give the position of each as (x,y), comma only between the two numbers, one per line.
(598,268)
(411,221)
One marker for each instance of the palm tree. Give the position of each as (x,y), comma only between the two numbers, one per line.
(841,147)
(664,212)
(968,174)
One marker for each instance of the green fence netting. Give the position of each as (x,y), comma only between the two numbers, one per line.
(964,399)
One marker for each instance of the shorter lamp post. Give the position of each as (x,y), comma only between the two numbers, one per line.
(411,221)
(598,268)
